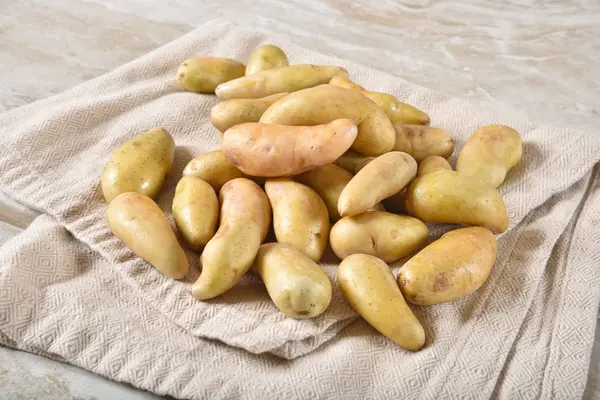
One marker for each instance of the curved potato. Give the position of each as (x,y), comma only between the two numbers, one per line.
(295,283)
(381,234)
(381,178)
(139,165)
(422,141)
(245,221)
(204,74)
(278,80)
(325,103)
(449,197)
(328,181)
(300,216)
(370,287)
(141,225)
(433,163)
(195,211)
(276,150)
(214,168)
(490,153)
(352,161)
(233,112)
(266,57)
(450,268)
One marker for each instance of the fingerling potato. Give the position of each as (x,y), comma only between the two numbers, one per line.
(266,57)
(423,141)
(214,168)
(204,74)
(328,181)
(233,112)
(352,161)
(433,163)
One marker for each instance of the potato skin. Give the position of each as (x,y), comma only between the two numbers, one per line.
(379,179)
(233,112)
(352,161)
(449,197)
(276,150)
(204,74)
(139,165)
(141,225)
(490,153)
(450,268)
(278,80)
(423,141)
(328,181)
(370,288)
(433,163)
(325,103)
(381,234)
(296,284)
(195,211)
(266,57)
(300,216)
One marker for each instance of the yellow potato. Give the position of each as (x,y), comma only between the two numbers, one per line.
(297,286)
(300,216)
(352,161)
(195,211)
(490,153)
(450,268)
(433,163)
(398,112)
(381,234)
(325,103)
(449,197)
(141,225)
(278,80)
(139,165)
(266,57)
(245,222)
(423,141)
(276,150)
(370,287)
(233,112)
(204,74)
(381,178)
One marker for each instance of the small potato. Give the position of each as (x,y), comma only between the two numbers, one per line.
(204,74)
(352,161)
(277,80)
(328,181)
(490,153)
(233,112)
(139,165)
(381,234)
(245,222)
(450,268)
(449,197)
(141,225)
(297,286)
(300,216)
(325,103)
(266,57)
(433,163)
(422,141)
(370,288)
(381,178)
(195,211)
(277,150)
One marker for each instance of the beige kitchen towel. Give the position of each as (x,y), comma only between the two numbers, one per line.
(71,291)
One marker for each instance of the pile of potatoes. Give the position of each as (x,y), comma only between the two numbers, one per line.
(324,162)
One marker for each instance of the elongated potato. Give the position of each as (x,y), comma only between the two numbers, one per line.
(139,165)
(381,178)
(352,161)
(370,287)
(490,153)
(214,168)
(233,112)
(449,197)
(204,74)
(266,57)
(397,111)
(295,283)
(328,181)
(278,80)
(141,225)
(433,163)
(325,103)
(450,268)
(195,211)
(245,221)
(300,216)
(423,141)
(381,234)
(277,150)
